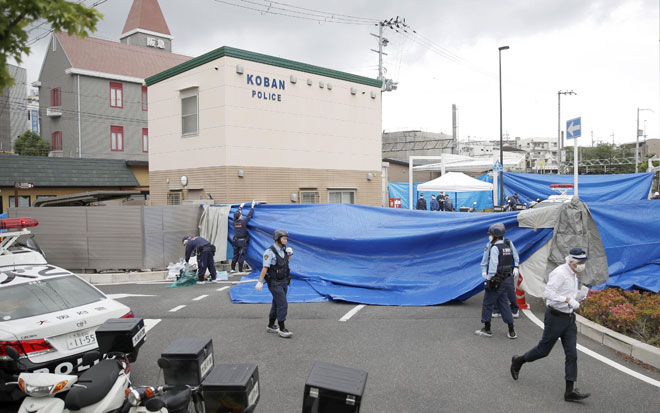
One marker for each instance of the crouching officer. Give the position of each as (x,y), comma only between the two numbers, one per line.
(562,298)
(241,237)
(278,276)
(499,261)
(205,251)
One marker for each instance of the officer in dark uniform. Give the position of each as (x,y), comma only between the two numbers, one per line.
(241,237)
(516,200)
(421,203)
(435,206)
(498,263)
(278,277)
(205,251)
(441,201)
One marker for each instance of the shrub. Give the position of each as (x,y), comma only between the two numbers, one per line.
(633,313)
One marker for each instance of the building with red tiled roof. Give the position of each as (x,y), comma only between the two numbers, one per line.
(93,97)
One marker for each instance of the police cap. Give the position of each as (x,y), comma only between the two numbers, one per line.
(578,254)
(497,229)
(279,233)
(183,241)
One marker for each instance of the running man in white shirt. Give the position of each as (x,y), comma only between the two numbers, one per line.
(562,296)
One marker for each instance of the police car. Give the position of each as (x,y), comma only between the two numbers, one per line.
(47,313)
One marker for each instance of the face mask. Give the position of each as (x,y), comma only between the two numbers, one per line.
(580,267)
(490,238)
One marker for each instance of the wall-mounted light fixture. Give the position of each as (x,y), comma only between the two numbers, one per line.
(370,176)
(241,173)
(239,69)
(294,197)
(373,94)
(353,91)
(309,82)
(329,86)
(293,79)
(321,85)
(184,180)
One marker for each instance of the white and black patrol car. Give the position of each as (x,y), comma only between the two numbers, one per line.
(47,313)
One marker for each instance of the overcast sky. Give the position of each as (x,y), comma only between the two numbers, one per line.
(607,51)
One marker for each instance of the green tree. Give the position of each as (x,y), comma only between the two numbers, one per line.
(68,16)
(31,144)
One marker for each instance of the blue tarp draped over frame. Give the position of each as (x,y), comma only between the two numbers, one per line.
(398,257)
(484,199)
(379,255)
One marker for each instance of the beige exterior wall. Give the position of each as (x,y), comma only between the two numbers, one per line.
(331,137)
(274,185)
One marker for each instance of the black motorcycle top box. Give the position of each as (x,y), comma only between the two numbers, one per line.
(231,388)
(190,359)
(125,335)
(333,389)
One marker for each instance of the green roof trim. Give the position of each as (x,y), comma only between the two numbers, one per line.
(259,58)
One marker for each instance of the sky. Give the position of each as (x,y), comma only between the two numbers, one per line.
(606,51)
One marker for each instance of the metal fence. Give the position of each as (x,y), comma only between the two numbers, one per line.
(112,238)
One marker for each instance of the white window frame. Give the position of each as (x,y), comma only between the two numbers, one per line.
(314,193)
(186,95)
(343,193)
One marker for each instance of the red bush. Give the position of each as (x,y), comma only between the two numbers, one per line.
(635,314)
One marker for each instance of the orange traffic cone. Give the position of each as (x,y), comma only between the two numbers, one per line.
(520,295)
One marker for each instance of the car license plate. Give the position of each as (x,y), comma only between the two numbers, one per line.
(80,339)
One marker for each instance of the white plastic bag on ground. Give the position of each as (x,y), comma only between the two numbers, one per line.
(174,269)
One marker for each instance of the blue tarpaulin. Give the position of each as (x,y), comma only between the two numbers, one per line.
(592,188)
(379,256)
(484,199)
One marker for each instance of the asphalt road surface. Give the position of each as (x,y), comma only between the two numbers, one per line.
(419,359)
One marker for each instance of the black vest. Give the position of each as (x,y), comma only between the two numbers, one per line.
(279,271)
(505,258)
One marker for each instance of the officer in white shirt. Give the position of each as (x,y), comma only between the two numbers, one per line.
(562,296)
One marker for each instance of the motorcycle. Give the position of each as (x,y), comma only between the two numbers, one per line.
(101,388)
(165,399)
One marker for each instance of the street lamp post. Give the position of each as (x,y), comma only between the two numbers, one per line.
(559,93)
(637,141)
(501,143)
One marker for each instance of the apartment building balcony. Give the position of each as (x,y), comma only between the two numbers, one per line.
(54,111)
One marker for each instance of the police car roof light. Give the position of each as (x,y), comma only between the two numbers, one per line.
(25,347)
(18,223)
(561,186)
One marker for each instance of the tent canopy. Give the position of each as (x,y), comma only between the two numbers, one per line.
(455,182)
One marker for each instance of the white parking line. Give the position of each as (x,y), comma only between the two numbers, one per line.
(599,357)
(201,297)
(222,289)
(177,308)
(150,323)
(352,312)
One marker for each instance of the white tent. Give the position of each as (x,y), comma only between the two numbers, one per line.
(455,182)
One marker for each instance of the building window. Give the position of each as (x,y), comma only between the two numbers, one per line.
(56,141)
(309,197)
(174,198)
(117,138)
(116,95)
(23,201)
(56,97)
(189,112)
(341,197)
(145,140)
(145,96)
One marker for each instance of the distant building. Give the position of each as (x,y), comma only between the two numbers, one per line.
(400,145)
(93,99)
(13,106)
(542,154)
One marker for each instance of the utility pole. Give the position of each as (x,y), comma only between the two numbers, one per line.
(395,24)
(592,139)
(559,93)
(637,141)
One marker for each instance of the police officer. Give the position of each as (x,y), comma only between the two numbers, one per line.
(241,237)
(421,202)
(516,200)
(277,275)
(205,251)
(562,297)
(435,206)
(499,261)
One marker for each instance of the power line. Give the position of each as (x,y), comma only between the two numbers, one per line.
(327,14)
(43,35)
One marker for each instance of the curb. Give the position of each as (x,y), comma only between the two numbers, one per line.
(643,352)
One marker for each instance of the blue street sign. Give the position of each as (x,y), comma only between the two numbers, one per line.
(573,128)
(497,167)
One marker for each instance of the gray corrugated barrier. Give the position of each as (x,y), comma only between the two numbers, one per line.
(112,237)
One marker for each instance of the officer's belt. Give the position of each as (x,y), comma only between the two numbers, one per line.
(556,312)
